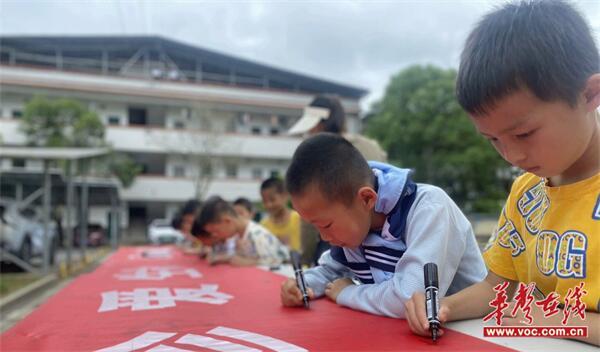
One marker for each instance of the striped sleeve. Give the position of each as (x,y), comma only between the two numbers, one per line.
(328,270)
(435,233)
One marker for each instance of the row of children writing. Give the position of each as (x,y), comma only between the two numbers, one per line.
(529,79)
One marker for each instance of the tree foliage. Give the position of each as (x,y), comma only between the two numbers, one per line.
(422,127)
(67,123)
(61,123)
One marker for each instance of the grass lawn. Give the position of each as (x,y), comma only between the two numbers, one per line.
(10,282)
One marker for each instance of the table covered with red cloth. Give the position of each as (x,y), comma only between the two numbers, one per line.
(159,299)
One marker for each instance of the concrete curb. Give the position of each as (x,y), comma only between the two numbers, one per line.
(79,267)
(13,299)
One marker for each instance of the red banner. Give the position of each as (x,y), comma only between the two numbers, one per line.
(158,299)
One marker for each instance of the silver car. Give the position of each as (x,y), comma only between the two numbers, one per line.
(22,232)
(160,231)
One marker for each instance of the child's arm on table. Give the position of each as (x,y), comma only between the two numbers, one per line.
(238,260)
(472,302)
(433,234)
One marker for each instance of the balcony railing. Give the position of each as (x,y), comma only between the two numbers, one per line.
(175,141)
(171,189)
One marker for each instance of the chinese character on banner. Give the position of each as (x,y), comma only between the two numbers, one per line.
(156,273)
(574,304)
(550,304)
(499,303)
(159,298)
(242,339)
(151,253)
(523,300)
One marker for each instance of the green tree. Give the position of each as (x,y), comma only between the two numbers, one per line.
(422,127)
(67,123)
(61,123)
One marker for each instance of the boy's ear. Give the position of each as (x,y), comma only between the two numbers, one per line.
(367,196)
(592,92)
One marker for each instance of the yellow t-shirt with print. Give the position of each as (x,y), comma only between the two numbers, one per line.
(550,236)
(288,232)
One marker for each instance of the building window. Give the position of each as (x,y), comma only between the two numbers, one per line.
(137,116)
(17,114)
(274,131)
(274,173)
(18,162)
(256,130)
(187,113)
(283,121)
(257,174)
(231,170)
(114,120)
(231,126)
(243,118)
(206,170)
(179,171)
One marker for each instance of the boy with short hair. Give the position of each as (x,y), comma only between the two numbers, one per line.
(218,222)
(382,227)
(282,221)
(187,215)
(244,208)
(182,221)
(529,79)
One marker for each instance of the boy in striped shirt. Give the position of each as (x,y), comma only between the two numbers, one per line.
(382,227)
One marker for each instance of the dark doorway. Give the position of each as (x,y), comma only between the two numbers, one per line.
(137,116)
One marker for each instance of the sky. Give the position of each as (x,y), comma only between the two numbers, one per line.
(360,43)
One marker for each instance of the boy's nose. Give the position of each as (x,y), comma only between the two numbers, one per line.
(324,236)
(513,154)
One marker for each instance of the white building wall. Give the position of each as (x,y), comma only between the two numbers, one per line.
(182,116)
(5,164)
(171,210)
(52,82)
(178,190)
(34,165)
(10,103)
(155,140)
(112,111)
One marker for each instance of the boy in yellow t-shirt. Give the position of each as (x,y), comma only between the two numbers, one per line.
(529,79)
(282,221)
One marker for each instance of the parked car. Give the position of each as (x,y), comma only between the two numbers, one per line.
(22,232)
(160,231)
(96,235)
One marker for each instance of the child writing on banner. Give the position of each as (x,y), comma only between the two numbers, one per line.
(244,208)
(254,245)
(529,79)
(382,228)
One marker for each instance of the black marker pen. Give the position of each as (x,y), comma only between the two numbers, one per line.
(295,256)
(432,302)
